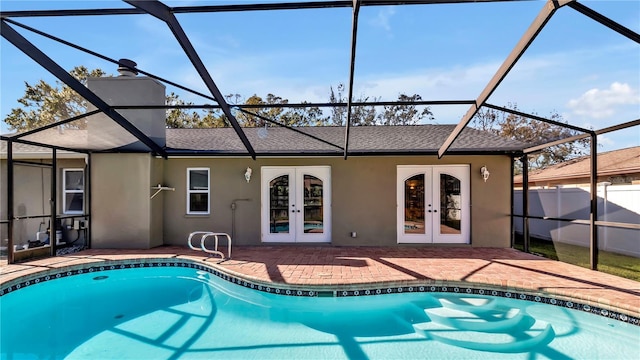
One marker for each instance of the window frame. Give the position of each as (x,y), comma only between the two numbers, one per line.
(199,191)
(66,191)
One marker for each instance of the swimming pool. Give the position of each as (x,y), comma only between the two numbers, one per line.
(178,310)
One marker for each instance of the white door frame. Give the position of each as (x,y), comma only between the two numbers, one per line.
(295,204)
(432,230)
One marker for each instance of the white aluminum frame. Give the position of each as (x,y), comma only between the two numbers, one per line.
(198,191)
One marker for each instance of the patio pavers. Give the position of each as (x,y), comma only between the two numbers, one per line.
(328,267)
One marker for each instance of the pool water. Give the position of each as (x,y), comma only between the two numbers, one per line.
(170,313)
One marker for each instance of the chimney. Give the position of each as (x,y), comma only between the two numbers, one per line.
(127,67)
(128,89)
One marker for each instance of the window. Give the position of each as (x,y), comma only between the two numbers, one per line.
(197,191)
(73,191)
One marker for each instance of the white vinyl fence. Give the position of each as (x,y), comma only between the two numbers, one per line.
(616,203)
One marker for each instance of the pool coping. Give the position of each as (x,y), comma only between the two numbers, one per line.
(350,290)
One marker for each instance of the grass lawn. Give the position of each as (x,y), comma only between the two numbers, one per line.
(611,263)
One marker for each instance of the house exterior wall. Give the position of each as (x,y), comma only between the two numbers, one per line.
(128,90)
(363,198)
(122,213)
(32,191)
(157,204)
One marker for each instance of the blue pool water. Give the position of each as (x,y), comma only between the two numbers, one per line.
(171,313)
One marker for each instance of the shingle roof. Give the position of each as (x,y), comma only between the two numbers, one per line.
(363,140)
(415,139)
(616,162)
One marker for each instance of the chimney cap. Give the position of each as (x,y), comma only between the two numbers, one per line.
(127,67)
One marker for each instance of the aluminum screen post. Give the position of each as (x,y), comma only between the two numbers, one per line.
(53,228)
(525,202)
(10,213)
(593,213)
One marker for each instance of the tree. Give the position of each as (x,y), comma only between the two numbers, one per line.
(44,104)
(536,132)
(304,116)
(179,118)
(361,115)
(271,113)
(338,113)
(405,114)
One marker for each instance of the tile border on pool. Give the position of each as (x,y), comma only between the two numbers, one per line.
(52,274)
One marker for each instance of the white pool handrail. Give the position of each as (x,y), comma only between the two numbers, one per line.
(203,238)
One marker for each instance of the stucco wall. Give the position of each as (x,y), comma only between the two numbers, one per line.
(120,204)
(156,237)
(32,191)
(363,198)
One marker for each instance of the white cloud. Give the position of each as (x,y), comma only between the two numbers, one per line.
(382,18)
(601,103)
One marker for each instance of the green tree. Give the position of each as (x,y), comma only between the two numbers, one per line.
(404,114)
(44,104)
(338,113)
(535,132)
(362,115)
(272,113)
(180,118)
(304,116)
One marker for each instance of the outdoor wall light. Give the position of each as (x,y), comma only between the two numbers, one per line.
(247,174)
(485,173)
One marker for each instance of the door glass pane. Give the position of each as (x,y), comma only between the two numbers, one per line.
(450,211)
(313,221)
(279,205)
(414,205)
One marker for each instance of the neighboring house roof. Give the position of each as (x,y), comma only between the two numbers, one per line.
(363,140)
(617,162)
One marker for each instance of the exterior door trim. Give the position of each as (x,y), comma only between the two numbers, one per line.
(433,229)
(297,231)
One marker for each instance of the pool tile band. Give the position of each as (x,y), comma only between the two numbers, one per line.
(18,284)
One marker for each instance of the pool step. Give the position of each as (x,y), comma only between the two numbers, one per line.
(539,334)
(476,305)
(486,321)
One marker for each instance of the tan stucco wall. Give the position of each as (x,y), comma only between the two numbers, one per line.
(157,204)
(125,90)
(32,191)
(121,208)
(363,198)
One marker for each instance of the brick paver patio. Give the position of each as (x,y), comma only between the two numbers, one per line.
(327,267)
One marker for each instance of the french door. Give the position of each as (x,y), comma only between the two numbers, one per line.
(433,204)
(296,204)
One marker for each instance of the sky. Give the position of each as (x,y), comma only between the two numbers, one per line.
(576,67)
